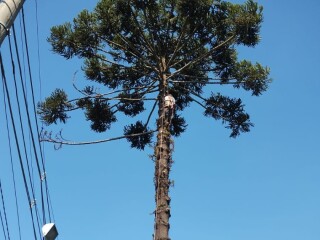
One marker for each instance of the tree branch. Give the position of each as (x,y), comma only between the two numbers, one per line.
(199,103)
(152,110)
(151,48)
(59,140)
(192,92)
(201,57)
(75,87)
(209,82)
(137,56)
(119,91)
(177,48)
(120,46)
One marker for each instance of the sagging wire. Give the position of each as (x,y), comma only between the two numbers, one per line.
(3,228)
(20,118)
(6,93)
(11,161)
(4,211)
(20,115)
(42,174)
(37,125)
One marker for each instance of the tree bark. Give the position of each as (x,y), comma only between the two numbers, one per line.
(163,163)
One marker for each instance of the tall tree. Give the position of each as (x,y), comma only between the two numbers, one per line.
(166,52)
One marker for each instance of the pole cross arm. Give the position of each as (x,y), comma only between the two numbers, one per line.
(9,10)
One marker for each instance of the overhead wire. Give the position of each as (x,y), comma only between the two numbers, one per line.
(2,224)
(28,117)
(29,124)
(40,92)
(11,162)
(40,163)
(42,177)
(4,82)
(42,151)
(4,211)
(38,50)
(22,47)
(23,50)
(20,116)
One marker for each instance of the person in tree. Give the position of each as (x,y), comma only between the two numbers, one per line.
(170,104)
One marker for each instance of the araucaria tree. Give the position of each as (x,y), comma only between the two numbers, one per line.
(165,52)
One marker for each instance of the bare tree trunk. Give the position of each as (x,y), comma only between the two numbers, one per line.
(163,163)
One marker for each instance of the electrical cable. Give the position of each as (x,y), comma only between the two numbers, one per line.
(4,82)
(17,98)
(28,118)
(40,87)
(38,51)
(23,51)
(30,78)
(4,210)
(35,116)
(3,229)
(40,168)
(11,161)
(20,117)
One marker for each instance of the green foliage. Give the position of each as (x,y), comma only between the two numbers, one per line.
(54,108)
(136,140)
(178,125)
(251,77)
(130,104)
(128,46)
(229,111)
(100,114)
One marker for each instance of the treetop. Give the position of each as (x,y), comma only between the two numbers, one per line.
(142,50)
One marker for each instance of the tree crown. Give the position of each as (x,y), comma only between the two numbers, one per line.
(142,50)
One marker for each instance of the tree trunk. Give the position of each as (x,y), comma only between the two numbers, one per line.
(163,163)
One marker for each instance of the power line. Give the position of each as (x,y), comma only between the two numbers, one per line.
(49,205)
(3,229)
(40,163)
(29,121)
(36,122)
(11,161)
(20,116)
(4,210)
(4,82)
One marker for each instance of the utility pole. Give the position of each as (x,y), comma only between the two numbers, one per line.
(9,10)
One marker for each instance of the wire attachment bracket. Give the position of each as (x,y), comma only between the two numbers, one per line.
(43,176)
(33,203)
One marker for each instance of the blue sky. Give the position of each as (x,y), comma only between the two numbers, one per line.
(263,185)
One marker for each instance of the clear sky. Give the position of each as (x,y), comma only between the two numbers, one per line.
(263,185)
